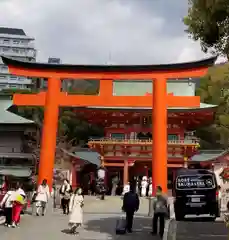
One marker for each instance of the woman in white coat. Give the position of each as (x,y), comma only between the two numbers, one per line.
(42,197)
(76,210)
(144,185)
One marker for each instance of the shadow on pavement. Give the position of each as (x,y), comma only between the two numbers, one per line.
(141,227)
(201,229)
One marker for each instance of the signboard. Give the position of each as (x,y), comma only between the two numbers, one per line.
(195,182)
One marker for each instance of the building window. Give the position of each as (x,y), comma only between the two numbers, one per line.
(13,78)
(16,41)
(6,41)
(2,77)
(15,50)
(4,68)
(13,86)
(118,136)
(6,49)
(172,137)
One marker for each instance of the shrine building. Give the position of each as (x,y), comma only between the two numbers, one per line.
(128,130)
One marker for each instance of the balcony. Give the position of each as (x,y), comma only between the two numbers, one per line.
(112,141)
(18,44)
(18,53)
(14,80)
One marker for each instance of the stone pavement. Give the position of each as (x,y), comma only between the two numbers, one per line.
(99,223)
(200,229)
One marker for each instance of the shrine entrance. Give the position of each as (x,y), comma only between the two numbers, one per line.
(53,98)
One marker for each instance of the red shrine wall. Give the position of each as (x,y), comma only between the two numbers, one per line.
(127,130)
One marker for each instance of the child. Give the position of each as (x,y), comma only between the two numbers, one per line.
(7,205)
(75,207)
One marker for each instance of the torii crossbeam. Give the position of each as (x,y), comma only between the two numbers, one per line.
(54,98)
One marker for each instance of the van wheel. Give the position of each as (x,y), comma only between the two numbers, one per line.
(179,216)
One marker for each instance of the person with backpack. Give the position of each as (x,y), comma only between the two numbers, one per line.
(19,199)
(161,211)
(65,193)
(130,206)
(7,205)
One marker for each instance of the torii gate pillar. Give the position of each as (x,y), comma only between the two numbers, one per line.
(49,131)
(159,148)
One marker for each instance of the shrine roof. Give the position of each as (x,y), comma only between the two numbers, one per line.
(208,155)
(202,107)
(86,155)
(7,117)
(16,171)
(110,68)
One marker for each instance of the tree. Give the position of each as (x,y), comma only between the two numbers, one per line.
(208,22)
(71,130)
(213,89)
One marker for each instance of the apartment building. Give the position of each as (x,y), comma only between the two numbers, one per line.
(16,44)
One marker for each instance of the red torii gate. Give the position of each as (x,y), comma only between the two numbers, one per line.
(54,98)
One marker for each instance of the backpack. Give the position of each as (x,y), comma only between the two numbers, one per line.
(160,205)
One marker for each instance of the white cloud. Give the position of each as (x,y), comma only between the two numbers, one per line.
(90,31)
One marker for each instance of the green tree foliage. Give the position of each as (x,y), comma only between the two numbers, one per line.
(214,89)
(72,129)
(208,22)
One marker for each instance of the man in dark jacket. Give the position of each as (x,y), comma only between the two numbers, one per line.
(130,206)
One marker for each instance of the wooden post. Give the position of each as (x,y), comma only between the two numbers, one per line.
(159,148)
(74,175)
(125,172)
(49,132)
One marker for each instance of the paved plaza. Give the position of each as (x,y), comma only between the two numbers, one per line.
(99,224)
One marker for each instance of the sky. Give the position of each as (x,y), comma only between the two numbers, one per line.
(104,31)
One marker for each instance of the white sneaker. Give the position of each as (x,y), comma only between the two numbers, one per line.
(9,226)
(13,225)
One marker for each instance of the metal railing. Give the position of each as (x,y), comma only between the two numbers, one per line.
(107,141)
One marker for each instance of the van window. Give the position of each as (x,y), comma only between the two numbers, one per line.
(188,182)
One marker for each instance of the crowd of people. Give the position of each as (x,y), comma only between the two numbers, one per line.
(72,203)
(143,186)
